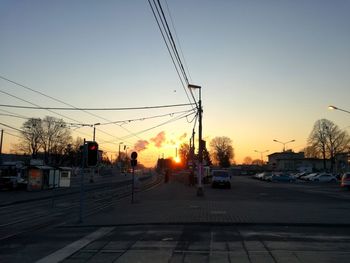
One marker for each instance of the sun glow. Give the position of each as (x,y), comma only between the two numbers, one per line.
(177,159)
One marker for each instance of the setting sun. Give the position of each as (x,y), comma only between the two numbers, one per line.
(177,159)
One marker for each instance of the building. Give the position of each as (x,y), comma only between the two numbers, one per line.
(291,161)
(342,163)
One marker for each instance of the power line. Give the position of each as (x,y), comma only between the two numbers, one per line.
(167,46)
(81,109)
(13,128)
(146,118)
(173,44)
(11,95)
(174,48)
(177,38)
(85,109)
(8,133)
(164,123)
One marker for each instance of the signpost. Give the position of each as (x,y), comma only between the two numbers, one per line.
(133,164)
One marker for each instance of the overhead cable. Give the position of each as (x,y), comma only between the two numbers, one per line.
(91,109)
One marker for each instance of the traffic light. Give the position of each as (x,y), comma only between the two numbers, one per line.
(133,159)
(92,153)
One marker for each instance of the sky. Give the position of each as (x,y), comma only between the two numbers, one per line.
(268,70)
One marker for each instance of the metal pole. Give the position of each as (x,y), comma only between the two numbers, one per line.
(94,133)
(200,149)
(81,207)
(2,135)
(132,186)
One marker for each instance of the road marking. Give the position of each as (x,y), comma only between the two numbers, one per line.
(70,249)
(218,212)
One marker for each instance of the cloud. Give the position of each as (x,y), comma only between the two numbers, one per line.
(183,136)
(159,139)
(140,145)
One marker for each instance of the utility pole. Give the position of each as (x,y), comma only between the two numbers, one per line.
(2,135)
(200,148)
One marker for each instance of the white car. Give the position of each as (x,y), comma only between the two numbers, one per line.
(308,177)
(220,178)
(324,177)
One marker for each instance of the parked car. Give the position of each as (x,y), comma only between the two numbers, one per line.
(323,177)
(299,175)
(281,178)
(258,176)
(12,176)
(308,176)
(345,180)
(220,178)
(267,176)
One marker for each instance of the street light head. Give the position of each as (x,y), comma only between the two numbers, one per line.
(275,140)
(190,86)
(97,124)
(331,107)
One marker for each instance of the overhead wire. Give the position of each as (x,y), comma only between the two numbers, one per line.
(16,97)
(25,87)
(177,38)
(164,123)
(92,109)
(167,46)
(85,110)
(173,44)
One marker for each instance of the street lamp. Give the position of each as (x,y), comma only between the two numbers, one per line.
(119,151)
(284,143)
(331,107)
(200,148)
(261,155)
(94,125)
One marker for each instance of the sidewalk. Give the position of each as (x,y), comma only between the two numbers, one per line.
(169,223)
(176,203)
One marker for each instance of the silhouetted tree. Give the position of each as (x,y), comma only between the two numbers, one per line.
(55,138)
(247,160)
(327,139)
(49,135)
(206,157)
(184,152)
(257,162)
(222,150)
(31,133)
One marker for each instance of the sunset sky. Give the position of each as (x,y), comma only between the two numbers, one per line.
(268,70)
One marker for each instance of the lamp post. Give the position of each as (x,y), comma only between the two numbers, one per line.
(200,148)
(119,162)
(261,155)
(284,143)
(331,107)
(94,125)
(119,151)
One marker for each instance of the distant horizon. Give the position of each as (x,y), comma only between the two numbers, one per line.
(267,70)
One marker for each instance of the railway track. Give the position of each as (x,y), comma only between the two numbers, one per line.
(21,217)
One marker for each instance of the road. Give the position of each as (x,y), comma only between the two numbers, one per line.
(22,211)
(253,221)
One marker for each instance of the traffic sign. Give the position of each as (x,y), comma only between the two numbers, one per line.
(134,155)
(133,163)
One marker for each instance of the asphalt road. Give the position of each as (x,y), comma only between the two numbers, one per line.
(279,222)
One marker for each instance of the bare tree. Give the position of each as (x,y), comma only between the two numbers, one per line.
(55,137)
(247,160)
(184,153)
(257,162)
(222,150)
(327,139)
(31,137)
(311,152)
